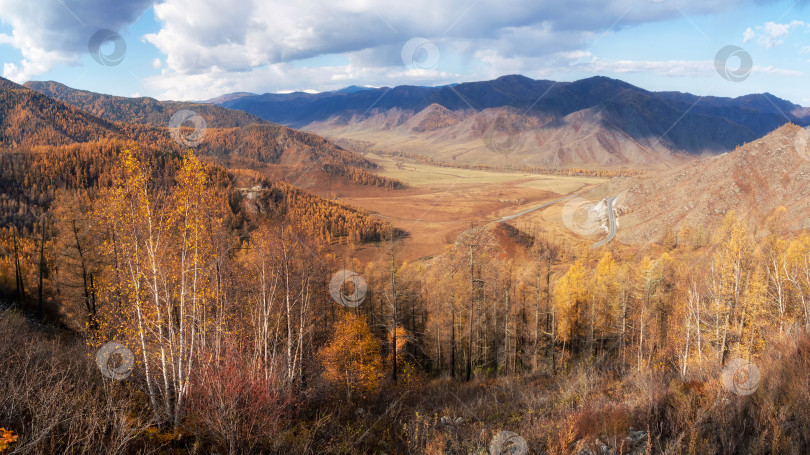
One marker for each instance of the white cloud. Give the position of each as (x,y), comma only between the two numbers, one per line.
(198,35)
(771,34)
(672,68)
(574,55)
(286,77)
(748,35)
(50,33)
(778,71)
(209,47)
(669,68)
(200,38)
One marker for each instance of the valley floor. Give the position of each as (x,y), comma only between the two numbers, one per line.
(441,202)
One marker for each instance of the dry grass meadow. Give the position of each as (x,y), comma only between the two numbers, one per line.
(441,202)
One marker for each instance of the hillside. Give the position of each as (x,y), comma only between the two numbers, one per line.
(64,151)
(143,110)
(30,118)
(592,122)
(589,138)
(752,180)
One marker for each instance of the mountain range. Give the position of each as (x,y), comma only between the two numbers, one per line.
(49,113)
(753,179)
(594,122)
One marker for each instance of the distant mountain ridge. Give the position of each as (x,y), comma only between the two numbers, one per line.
(142,110)
(514,91)
(29,118)
(597,121)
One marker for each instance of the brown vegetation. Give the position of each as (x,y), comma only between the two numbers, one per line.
(218,283)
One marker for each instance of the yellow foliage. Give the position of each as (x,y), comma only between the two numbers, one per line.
(402,340)
(570,294)
(352,357)
(162,248)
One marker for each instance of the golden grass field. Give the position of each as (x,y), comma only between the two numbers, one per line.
(441,202)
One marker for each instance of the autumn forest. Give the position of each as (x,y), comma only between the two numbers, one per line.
(161,298)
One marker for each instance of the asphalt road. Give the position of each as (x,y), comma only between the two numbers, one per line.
(507,218)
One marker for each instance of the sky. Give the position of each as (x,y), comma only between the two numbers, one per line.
(200,49)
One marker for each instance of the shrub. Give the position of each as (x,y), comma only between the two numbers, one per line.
(235,406)
(54,398)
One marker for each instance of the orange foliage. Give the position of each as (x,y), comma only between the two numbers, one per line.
(7,437)
(351,360)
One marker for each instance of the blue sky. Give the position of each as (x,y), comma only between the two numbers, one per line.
(184,49)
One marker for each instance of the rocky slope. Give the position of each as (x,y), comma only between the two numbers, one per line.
(752,180)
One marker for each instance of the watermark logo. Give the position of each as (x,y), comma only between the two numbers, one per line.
(107,47)
(802,143)
(584,217)
(420,54)
(197,134)
(115,360)
(741,377)
(721,63)
(508,442)
(502,136)
(348,288)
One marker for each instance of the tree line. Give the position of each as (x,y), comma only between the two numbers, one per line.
(230,319)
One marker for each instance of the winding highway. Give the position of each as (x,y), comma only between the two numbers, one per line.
(507,218)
